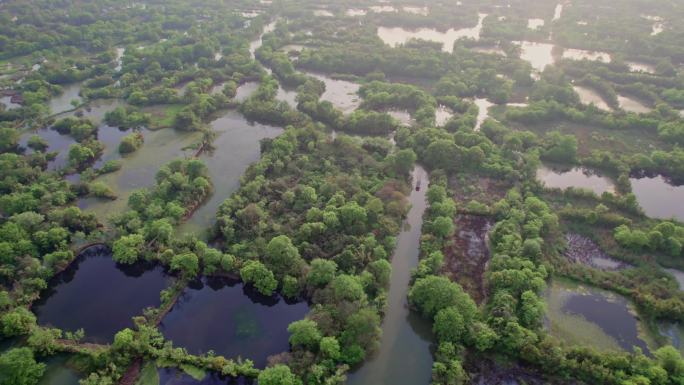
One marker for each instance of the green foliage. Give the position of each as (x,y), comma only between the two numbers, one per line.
(186,263)
(304,333)
(131,143)
(17,322)
(128,249)
(433,293)
(18,367)
(278,375)
(260,276)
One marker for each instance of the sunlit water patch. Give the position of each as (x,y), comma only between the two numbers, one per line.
(356,12)
(641,67)
(539,55)
(395,36)
(589,96)
(342,94)
(442,115)
(581,54)
(632,105)
(483,106)
(245,90)
(423,11)
(535,23)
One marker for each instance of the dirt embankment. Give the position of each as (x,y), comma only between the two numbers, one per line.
(467,256)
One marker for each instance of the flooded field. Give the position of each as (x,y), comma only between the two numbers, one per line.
(581,315)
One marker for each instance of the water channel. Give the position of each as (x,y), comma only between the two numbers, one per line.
(404,355)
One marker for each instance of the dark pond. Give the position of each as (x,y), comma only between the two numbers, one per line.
(98,295)
(404,355)
(172,376)
(231,319)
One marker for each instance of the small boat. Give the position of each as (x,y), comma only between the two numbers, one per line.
(418,185)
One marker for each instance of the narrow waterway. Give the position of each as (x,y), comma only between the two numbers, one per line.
(404,355)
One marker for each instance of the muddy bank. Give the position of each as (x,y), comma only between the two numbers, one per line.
(487,372)
(583,250)
(467,256)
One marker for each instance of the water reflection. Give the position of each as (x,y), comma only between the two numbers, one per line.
(589,96)
(423,11)
(341,93)
(245,90)
(395,36)
(641,67)
(442,115)
(402,116)
(62,102)
(535,23)
(232,320)
(658,198)
(632,105)
(678,275)
(558,12)
(58,372)
(403,331)
(580,54)
(237,145)
(576,177)
(98,295)
(483,106)
(539,55)
(583,315)
(356,12)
